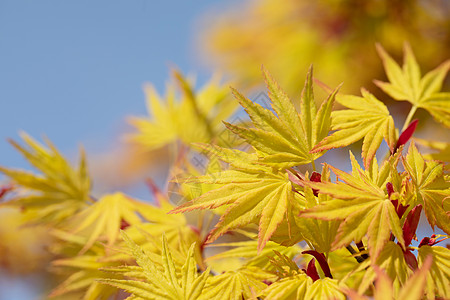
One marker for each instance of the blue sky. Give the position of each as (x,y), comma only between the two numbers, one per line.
(72,70)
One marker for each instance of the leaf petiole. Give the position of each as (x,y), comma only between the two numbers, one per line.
(409,117)
(313,165)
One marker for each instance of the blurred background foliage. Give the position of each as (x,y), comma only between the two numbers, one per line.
(337,36)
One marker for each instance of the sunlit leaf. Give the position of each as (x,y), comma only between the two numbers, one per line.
(166,284)
(247,251)
(431,186)
(391,260)
(285,138)
(244,283)
(366,118)
(319,233)
(83,270)
(191,117)
(438,280)
(105,218)
(55,194)
(259,195)
(324,289)
(361,201)
(407,84)
(294,287)
(413,288)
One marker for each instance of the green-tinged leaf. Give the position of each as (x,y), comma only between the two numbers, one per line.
(294,287)
(83,269)
(406,84)
(244,283)
(137,288)
(84,280)
(169,269)
(342,265)
(172,282)
(237,159)
(438,279)
(191,117)
(431,187)
(366,118)
(284,139)
(247,251)
(391,260)
(104,219)
(364,206)
(326,288)
(284,265)
(383,286)
(57,193)
(263,197)
(413,289)
(301,286)
(319,233)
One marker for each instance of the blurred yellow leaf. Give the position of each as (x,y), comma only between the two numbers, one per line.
(56,194)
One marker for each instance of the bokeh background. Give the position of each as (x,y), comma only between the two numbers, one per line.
(74,70)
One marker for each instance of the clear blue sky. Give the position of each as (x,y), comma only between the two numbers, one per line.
(72,70)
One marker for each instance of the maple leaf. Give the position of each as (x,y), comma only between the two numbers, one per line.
(302,286)
(84,273)
(105,218)
(258,194)
(367,118)
(165,284)
(325,288)
(293,287)
(83,269)
(438,280)
(413,288)
(285,139)
(342,266)
(392,261)
(286,267)
(196,117)
(247,251)
(319,233)
(432,189)
(244,283)
(56,194)
(406,84)
(158,222)
(361,201)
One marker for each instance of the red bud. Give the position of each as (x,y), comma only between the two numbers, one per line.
(411,223)
(124,224)
(430,241)
(315,177)
(406,135)
(410,259)
(311,270)
(390,189)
